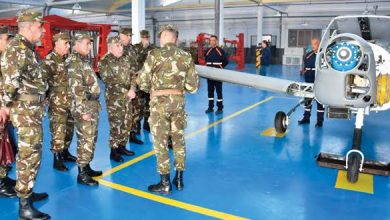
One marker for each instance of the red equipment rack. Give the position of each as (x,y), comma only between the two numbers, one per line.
(55,24)
(202,39)
(238,44)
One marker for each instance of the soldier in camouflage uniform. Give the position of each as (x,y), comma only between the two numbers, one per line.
(85,109)
(143,48)
(7,185)
(120,89)
(131,53)
(61,120)
(193,50)
(167,74)
(25,86)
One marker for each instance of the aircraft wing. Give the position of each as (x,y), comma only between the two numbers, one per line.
(288,87)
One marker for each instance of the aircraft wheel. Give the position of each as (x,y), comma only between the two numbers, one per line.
(281,122)
(354,161)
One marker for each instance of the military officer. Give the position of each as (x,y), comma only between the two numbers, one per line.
(85,108)
(215,57)
(120,89)
(6,184)
(309,73)
(143,48)
(61,120)
(125,35)
(193,50)
(167,74)
(25,86)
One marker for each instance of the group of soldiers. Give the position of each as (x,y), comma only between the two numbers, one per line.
(134,76)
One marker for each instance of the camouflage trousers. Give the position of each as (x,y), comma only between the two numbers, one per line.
(136,106)
(119,117)
(86,132)
(168,118)
(27,119)
(3,171)
(61,128)
(144,102)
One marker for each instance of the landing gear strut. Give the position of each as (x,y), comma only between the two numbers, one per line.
(354,162)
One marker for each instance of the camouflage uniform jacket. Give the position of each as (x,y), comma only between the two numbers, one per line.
(83,84)
(21,71)
(59,91)
(142,53)
(115,74)
(168,67)
(130,51)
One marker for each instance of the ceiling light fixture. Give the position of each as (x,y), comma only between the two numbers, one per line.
(76,7)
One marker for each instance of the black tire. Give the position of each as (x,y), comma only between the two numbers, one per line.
(353,167)
(281,122)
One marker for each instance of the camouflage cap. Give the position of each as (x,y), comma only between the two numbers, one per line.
(30,16)
(114,40)
(61,36)
(4,30)
(144,33)
(168,27)
(126,31)
(81,35)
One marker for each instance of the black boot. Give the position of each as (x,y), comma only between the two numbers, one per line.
(66,156)
(178,180)
(58,162)
(84,178)
(7,189)
(304,120)
(163,187)
(28,212)
(122,150)
(115,155)
(10,181)
(36,197)
(220,108)
(146,124)
(319,124)
(92,172)
(133,138)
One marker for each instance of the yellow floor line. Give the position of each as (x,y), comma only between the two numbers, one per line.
(171,202)
(128,163)
(150,153)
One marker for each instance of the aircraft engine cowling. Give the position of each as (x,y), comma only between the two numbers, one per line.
(345,72)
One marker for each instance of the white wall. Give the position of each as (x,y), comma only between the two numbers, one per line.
(191,22)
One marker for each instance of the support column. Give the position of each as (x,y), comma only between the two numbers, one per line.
(259,23)
(219,20)
(137,19)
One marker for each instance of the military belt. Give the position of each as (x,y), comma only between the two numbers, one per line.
(30,97)
(167,92)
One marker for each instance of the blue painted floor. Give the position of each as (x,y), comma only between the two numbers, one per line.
(231,168)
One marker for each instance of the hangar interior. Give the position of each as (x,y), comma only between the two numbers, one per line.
(238,167)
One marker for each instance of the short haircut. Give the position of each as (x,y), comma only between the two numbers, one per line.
(266,43)
(214,36)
